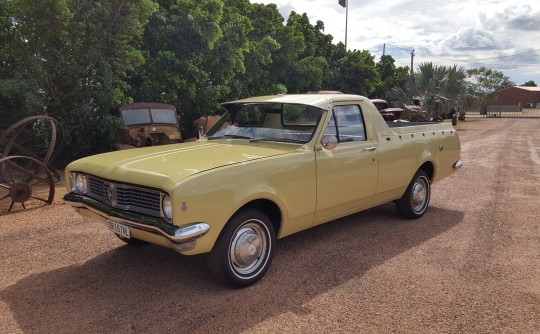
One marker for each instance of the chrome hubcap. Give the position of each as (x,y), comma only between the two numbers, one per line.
(420,194)
(248,250)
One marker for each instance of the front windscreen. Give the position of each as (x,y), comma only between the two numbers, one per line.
(136,116)
(148,116)
(282,122)
(163,116)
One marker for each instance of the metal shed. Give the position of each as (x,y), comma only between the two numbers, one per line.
(524,96)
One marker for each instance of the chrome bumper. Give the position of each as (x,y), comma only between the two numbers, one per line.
(181,238)
(458,164)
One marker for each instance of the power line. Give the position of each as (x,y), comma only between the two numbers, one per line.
(491,58)
(475,60)
(499,57)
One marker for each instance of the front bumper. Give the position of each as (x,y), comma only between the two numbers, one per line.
(181,238)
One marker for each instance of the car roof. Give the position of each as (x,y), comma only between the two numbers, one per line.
(317,100)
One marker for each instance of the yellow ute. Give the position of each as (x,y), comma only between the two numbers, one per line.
(270,167)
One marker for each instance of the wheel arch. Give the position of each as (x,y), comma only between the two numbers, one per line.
(269,208)
(429,168)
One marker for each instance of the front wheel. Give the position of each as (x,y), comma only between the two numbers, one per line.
(414,202)
(244,250)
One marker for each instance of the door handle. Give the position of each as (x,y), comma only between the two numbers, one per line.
(371,149)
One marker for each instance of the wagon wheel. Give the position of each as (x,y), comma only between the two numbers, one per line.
(26,181)
(35,137)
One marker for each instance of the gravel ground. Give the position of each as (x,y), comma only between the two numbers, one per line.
(470,265)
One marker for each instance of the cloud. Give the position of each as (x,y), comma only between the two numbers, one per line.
(473,39)
(527,22)
(286,11)
(523,18)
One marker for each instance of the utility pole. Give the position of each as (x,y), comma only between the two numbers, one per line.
(413,84)
(412,57)
(383,49)
(346,22)
(345,3)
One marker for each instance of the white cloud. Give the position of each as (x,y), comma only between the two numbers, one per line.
(473,39)
(443,32)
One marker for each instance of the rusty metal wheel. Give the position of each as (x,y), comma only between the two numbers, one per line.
(35,137)
(26,181)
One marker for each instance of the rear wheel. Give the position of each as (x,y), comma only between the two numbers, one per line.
(414,202)
(244,250)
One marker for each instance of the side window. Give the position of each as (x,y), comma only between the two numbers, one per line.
(350,124)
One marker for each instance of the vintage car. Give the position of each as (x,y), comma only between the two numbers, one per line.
(147,124)
(270,167)
(389,114)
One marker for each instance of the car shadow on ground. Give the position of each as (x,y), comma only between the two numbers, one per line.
(152,289)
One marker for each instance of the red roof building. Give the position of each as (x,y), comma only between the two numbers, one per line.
(519,95)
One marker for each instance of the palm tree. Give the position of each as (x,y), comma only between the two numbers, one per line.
(440,88)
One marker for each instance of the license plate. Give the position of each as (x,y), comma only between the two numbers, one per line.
(119,229)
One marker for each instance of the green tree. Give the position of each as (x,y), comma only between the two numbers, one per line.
(273,47)
(390,76)
(32,36)
(178,41)
(529,83)
(317,43)
(282,58)
(71,57)
(482,82)
(306,72)
(224,60)
(354,73)
(306,75)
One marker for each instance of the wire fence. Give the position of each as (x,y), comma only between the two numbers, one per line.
(508,112)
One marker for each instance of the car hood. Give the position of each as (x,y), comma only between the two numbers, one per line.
(162,166)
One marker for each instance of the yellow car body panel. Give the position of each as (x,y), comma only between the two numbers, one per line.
(209,181)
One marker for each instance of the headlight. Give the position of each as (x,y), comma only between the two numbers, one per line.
(78,183)
(81,184)
(166,206)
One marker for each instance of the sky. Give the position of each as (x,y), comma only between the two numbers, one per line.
(501,35)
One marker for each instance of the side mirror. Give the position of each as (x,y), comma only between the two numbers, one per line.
(329,142)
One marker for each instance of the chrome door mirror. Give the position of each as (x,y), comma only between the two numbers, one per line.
(329,142)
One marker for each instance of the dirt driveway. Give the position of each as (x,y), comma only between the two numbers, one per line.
(470,265)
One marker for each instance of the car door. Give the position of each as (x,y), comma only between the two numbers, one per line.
(347,175)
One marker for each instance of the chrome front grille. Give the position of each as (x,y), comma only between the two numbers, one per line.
(148,200)
(125,197)
(97,187)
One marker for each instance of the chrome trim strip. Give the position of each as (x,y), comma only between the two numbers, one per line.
(181,234)
(458,164)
